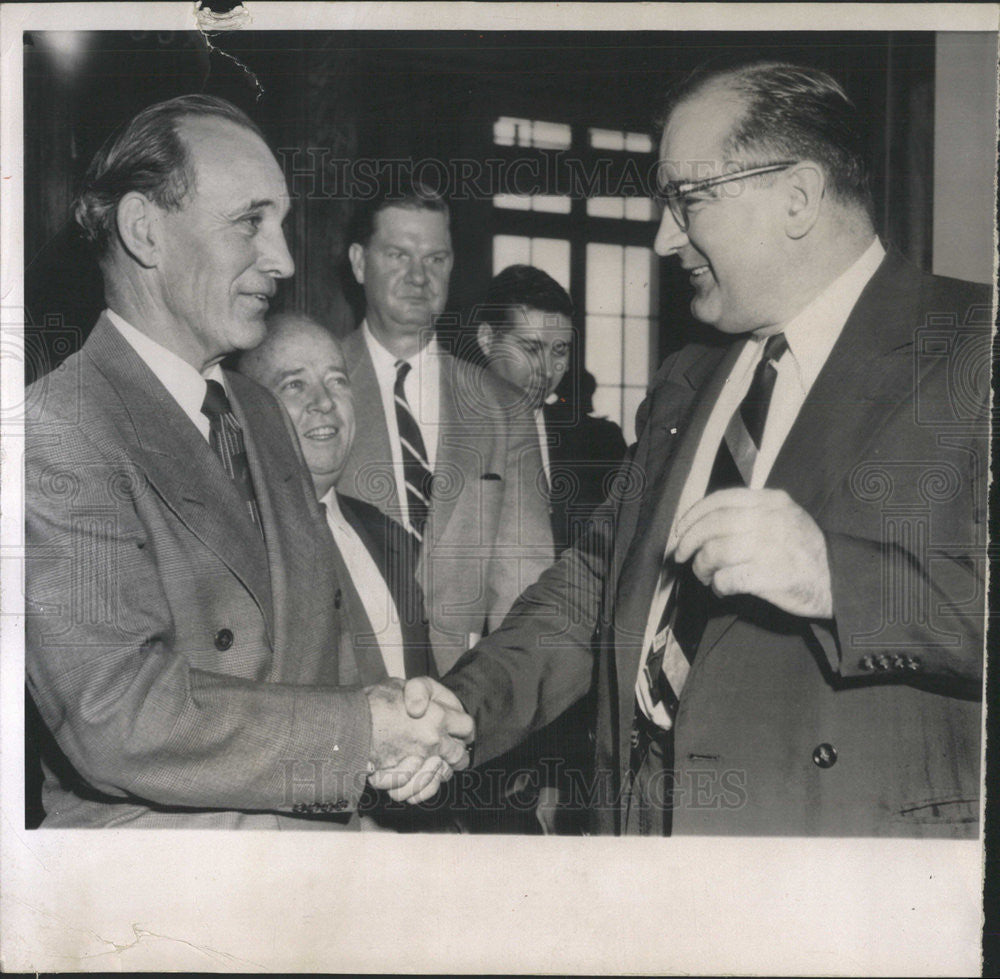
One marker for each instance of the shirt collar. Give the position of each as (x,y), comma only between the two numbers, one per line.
(183,382)
(384,361)
(332,504)
(812,333)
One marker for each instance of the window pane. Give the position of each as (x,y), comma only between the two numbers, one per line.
(515,202)
(550,203)
(510,250)
(638,143)
(551,135)
(606,207)
(640,209)
(604,349)
(638,272)
(636,355)
(551,255)
(504,131)
(604,279)
(607,139)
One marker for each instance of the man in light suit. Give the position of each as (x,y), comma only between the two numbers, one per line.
(442,452)
(183,644)
(798,651)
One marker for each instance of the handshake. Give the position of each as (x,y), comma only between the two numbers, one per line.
(420,737)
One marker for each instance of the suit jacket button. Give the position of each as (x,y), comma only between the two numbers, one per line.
(866,663)
(223,639)
(824,755)
(338,596)
(883,662)
(913,662)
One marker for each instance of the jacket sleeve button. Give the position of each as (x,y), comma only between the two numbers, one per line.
(223,639)
(824,755)
(866,663)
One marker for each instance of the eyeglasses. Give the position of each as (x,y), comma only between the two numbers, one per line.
(679,196)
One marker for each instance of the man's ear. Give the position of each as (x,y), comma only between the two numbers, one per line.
(356,255)
(806,184)
(137,221)
(484,337)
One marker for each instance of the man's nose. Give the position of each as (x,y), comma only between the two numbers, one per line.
(416,272)
(670,237)
(321,400)
(275,258)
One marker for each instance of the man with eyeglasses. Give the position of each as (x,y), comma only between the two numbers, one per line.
(788,617)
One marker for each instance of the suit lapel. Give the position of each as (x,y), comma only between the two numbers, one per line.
(392,550)
(451,373)
(181,466)
(369,473)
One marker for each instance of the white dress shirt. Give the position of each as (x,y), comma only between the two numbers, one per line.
(184,384)
(543,438)
(370,585)
(423,393)
(811,335)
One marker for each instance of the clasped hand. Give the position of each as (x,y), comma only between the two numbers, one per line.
(420,736)
(758,542)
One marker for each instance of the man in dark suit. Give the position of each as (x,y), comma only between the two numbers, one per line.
(183,644)
(442,452)
(525,332)
(301,364)
(788,616)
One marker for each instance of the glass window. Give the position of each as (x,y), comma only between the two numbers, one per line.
(621,314)
(548,254)
(511,131)
(613,139)
(548,203)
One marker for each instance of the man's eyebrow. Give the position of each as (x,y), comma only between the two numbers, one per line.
(291,372)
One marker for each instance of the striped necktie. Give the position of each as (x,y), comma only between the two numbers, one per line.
(226,439)
(687,610)
(416,471)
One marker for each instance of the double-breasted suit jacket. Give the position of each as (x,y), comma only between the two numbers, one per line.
(868,724)
(186,664)
(488,534)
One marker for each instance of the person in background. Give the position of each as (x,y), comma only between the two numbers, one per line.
(440,453)
(383,625)
(526,334)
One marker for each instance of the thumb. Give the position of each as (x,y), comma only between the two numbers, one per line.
(417,696)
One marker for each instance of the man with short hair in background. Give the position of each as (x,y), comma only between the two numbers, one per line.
(442,451)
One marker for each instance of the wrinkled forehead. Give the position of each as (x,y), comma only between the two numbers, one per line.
(694,138)
(299,344)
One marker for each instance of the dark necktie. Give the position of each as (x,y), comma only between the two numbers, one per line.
(687,610)
(416,471)
(226,438)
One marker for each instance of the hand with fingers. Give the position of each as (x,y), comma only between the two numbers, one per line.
(420,737)
(758,542)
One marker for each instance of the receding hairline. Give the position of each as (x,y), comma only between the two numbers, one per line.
(280,327)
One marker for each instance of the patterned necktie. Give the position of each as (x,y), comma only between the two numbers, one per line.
(416,471)
(687,610)
(226,438)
